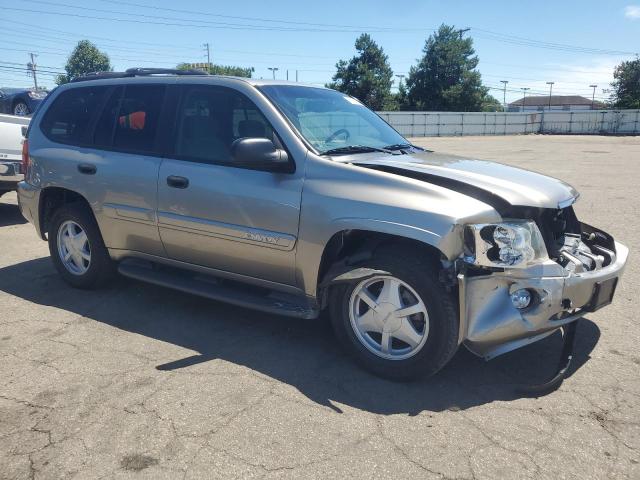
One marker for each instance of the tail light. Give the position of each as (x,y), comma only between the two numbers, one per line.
(25,156)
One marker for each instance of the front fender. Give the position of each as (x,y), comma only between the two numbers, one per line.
(339,197)
(310,253)
(388,227)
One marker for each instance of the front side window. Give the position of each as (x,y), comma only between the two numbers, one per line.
(328,119)
(211,118)
(68,118)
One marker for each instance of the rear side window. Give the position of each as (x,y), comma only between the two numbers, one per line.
(136,124)
(68,118)
(104,129)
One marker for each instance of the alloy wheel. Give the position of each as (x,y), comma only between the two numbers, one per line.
(73,248)
(388,317)
(21,109)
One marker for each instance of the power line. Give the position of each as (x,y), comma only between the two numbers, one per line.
(515,40)
(36,29)
(22,64)
(105,44)
(258,19)
(482,33)
(171,21)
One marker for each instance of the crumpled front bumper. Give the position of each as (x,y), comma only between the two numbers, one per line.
(489,323)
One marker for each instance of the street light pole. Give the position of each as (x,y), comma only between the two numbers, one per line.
(550,90)
(504,94)
(273,70)
(524,91)
(593,96)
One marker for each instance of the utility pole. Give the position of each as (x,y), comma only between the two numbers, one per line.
(550,90)
(207,48)
(273,70)
(524,91)
(32,68)
(401,77)
(462,31)
(296,75)
(287,74)
(504,94)
(593,96)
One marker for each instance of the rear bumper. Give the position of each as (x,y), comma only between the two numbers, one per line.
(10,174)
(29,203)
(491,325)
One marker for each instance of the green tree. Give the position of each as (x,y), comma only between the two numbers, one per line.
(367,76)
(213,69)
(626,84)
(402,97)
(446,78)
(85,58)
(491,104)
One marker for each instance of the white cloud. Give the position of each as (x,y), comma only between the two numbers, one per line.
(632,12)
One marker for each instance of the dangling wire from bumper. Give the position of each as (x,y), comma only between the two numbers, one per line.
(569,336)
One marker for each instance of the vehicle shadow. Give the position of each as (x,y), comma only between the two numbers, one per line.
(300,353)
(10,215)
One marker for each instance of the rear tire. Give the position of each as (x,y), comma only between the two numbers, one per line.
(432,341)
(77,248)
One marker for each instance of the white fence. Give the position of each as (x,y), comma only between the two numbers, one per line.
(435,124)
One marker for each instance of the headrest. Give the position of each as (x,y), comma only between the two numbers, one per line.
(251,129)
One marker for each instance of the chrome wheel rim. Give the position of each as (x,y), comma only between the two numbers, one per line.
(388,317)
(73,248)
(21,109)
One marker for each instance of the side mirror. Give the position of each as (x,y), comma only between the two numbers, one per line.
(260,154)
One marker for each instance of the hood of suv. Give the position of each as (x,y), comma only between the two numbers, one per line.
(494,183)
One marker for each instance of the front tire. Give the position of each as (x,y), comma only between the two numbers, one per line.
(400,326)
(21,109)
(77,248)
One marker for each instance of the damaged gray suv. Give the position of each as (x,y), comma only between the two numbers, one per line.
(295,200)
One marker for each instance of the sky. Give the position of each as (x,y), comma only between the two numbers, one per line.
(572,43)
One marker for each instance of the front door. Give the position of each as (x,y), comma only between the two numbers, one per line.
(218,215)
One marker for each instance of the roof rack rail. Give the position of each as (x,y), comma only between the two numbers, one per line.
(164,71)
(137,72)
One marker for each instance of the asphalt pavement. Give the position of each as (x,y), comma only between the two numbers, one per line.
(137,381)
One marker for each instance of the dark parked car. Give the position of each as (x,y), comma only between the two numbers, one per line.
(20,101)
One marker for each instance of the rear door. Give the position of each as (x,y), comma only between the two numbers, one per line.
(110,157)
(214,213)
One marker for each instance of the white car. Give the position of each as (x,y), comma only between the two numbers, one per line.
(12,130)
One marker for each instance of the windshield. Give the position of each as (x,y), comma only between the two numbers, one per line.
(331,120)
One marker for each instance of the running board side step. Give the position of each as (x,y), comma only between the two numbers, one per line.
(213,288)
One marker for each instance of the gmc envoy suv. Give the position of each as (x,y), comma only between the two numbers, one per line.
(295,200)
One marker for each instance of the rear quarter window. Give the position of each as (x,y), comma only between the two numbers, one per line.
(68,118)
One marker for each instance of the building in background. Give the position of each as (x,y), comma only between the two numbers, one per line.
(557,102)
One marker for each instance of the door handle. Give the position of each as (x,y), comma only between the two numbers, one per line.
(175,181)
(87,168)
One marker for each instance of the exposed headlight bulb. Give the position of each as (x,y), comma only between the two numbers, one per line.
(514,243)
(521,298)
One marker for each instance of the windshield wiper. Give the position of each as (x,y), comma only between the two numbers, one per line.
(355,149)
(400,146)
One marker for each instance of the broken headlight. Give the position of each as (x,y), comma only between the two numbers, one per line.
(514,244)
